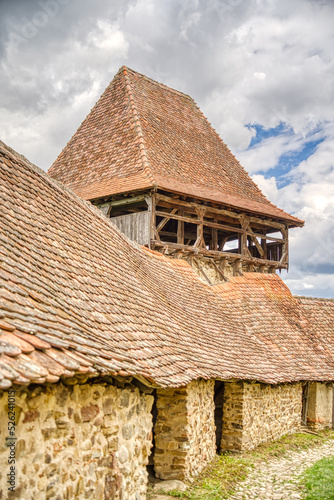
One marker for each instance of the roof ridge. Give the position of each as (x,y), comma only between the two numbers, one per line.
(138,128)
(323,299)
(61,188)
(228,149)
(8,151)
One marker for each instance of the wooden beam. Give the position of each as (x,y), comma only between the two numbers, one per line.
(270,238)
(229,213)
(268,223)
(243,236)
(221,274)
(222,243)
(166,219)
(195,205)
(214,233)
(247,253)
(180,229)
(202,271)
(237,267)
(211,253)
(223,227)
(191,220)
(285,256)
(124,201)
(154,232)
(264,246)
(200,242)
(258,246)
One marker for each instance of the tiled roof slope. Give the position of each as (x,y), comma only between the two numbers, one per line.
(143,134)
(76,296)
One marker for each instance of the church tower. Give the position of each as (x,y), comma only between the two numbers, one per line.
(149,159)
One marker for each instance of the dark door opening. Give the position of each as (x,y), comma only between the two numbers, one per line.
(333,407)
(219,403)
(154,412)
(305,400)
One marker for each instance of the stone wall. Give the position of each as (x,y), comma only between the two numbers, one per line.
(255,413)
(320,406)
(184,430)
(81,441)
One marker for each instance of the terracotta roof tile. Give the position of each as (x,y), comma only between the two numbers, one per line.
(142,134)
(78,298)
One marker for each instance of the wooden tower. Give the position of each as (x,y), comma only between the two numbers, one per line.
(150,160)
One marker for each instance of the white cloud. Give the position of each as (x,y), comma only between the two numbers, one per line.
(268,186)
(310,196)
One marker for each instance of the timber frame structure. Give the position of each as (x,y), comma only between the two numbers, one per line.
(183,227)
(160,171)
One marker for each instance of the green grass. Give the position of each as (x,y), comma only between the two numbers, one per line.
(318,480)
(219,479)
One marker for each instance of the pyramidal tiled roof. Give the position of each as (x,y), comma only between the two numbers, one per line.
(78,297)
(142,134)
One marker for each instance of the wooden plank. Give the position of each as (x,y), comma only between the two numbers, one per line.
(135,226)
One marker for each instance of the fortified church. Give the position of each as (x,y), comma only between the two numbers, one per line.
(142,322)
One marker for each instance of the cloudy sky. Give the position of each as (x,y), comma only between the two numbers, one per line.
(261,71)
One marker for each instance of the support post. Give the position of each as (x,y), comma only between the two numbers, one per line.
(180,229)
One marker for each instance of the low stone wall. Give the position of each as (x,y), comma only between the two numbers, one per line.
(255,413)
(82,441)
(184,430)
(320,406)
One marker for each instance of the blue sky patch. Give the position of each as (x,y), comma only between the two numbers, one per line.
(289,160)
(264,133)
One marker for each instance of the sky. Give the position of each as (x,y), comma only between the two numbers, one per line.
(261,71)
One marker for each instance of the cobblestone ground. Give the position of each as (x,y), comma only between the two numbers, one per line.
(277,479)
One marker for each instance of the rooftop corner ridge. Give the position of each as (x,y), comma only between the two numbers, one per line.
(138,127)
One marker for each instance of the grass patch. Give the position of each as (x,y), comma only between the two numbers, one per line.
(219,479)
(290,442)
(318,480)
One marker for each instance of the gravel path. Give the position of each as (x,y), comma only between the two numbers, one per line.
(277,479)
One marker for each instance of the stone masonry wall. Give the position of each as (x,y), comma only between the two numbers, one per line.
(255,413)
(83,441)
(185,430)
(320,409)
